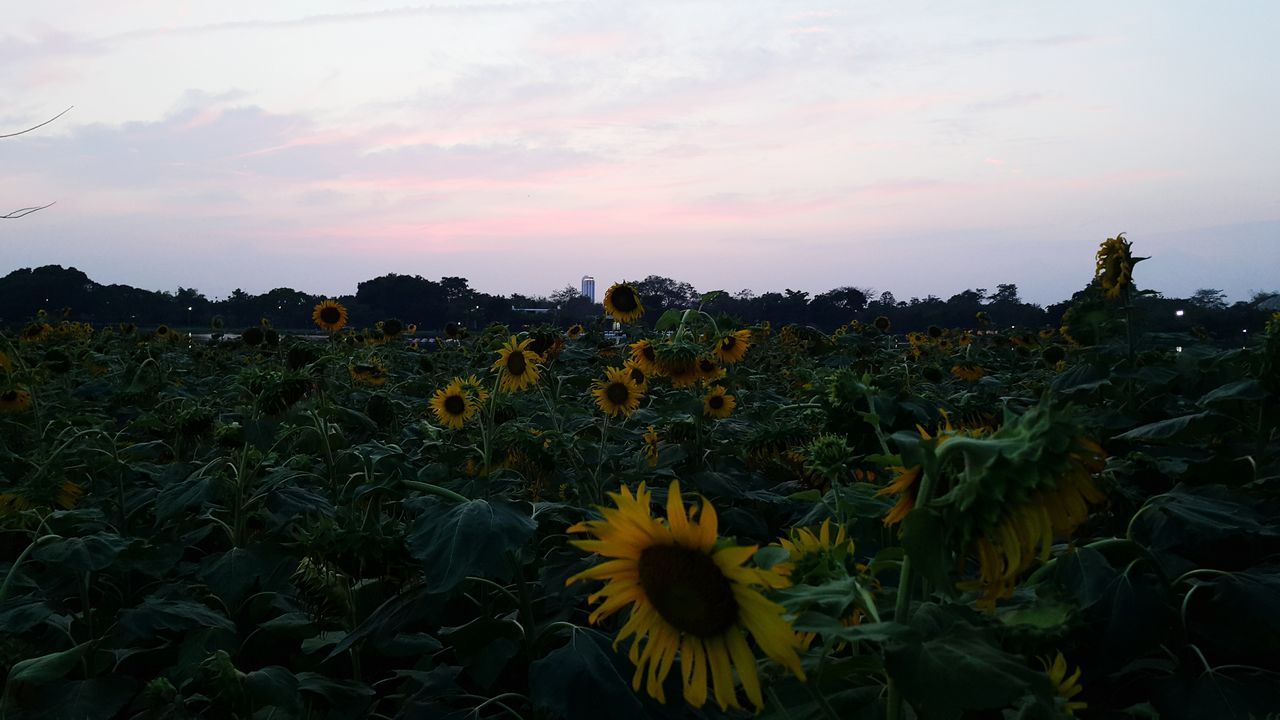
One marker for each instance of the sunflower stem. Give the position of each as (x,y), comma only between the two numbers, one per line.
(902,606)
(435,490)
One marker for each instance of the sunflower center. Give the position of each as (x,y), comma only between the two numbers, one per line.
(9,396)
(330,315)
(637,376)
(624,299)
(716,402)
(688,590)
(728,342)
(455,405)
(649,353)
(516,363)
(617,393)
(706,366)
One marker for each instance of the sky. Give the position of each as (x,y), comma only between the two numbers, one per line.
(917,147)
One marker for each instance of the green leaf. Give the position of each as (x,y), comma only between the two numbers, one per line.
(710,296)
(93,699)
(273,686)
(582,679)
(1165,429)
(39,670)
(1246,390)
(669,319)
(454,540)
(484,646)
(155,616)
(958,669)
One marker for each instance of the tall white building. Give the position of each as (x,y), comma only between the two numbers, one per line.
(589,288)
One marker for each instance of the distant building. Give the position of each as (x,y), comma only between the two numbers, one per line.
(589,288)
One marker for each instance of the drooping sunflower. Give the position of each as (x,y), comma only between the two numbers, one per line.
(905,485)
(372,372)
(14,400)
(685,597)
(453,405)
(1114,266)
(329,315)
(622,303)
(731,348)
(575,331)
(882,324)
(708,370)
(637,374)
(35,332)
(718,404)
(1066,687)
(969,372)
(645,355)
(518,365)
(617,394)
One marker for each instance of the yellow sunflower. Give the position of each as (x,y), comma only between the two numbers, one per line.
(372,373)
(518,366)
(617,395)
(804,543)
(905,486)
(163,333)
(14,400)
(575,331)
(637,374)
(1114,266)
(644,355)
(717,404)
(622,303)
(968,372)
(329,316)
(708,370)
(35,332)
(651,446)
(472,384)
(686,597)
(731,348)
(1066,687)
(453,406)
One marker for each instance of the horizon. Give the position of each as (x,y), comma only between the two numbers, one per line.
(923,150)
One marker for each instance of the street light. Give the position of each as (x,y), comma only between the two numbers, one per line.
(1179,313)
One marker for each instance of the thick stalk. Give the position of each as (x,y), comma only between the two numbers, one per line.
(902,607)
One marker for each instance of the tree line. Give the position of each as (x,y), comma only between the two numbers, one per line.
(433,304)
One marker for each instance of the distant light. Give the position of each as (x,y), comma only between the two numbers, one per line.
(189,308)
(1179,313)
(1179,348)
(1245,330)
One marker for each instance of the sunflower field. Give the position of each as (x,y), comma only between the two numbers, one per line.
(671,517)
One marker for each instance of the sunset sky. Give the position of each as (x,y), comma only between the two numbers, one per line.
(914,147)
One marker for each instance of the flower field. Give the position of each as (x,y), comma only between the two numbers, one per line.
(701,519)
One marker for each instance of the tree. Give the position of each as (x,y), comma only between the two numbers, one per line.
(1209,298)
(23,212)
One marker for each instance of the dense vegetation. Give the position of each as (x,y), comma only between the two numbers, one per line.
(434,304)
(726,515)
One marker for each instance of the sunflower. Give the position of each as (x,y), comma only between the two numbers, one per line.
(622,303)
(1114,267)
(637,374)
(14,400)
(471,384)
(453,406)
(708,370)
(731,348)
(645,356)
(35,332)
(686,597)
(651,446)
(804,545)
(1066,687)
(717,404)
(882,324)
(372,372)
(329,316)
(575,331)
(905,485)
(968,372)
(617,395)
(517,364)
